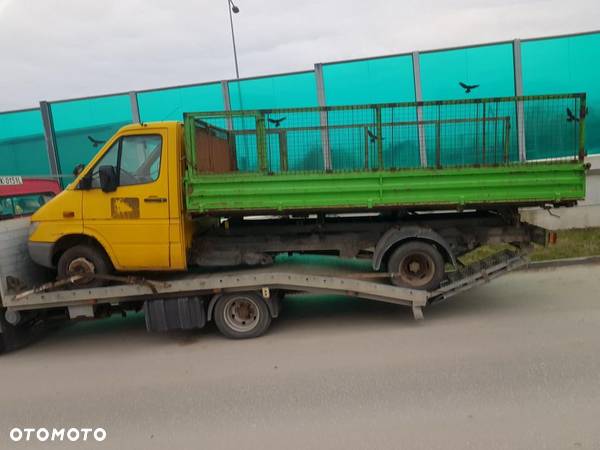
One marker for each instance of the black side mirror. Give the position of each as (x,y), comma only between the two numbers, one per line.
(108,178)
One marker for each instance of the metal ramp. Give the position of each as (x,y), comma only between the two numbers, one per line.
(478,273)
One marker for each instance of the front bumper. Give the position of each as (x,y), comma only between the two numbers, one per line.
(41,253)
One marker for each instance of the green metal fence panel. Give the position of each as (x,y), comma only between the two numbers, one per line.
(82,126)
(461,133)
(170,104)
(22,145)
(379,80)
(565,64)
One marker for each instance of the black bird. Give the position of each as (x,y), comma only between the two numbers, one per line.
(276,122)
(95,142)
(468,87)
(570,116)
(373,137)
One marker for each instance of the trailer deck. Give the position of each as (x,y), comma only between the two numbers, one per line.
(286,277)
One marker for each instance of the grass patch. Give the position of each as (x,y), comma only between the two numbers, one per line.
(570,244)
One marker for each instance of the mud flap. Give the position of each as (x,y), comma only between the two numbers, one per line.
(187,313)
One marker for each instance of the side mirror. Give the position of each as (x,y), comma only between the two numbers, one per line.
(108,178)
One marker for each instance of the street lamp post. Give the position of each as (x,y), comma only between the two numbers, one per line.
(233,8)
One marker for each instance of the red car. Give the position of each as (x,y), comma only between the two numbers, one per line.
(22,197)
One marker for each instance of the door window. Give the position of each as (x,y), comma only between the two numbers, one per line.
(140,159)
(135,158)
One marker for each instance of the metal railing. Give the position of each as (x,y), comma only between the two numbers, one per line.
(457,133)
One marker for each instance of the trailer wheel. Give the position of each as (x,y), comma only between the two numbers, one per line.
(417,265)
(242,315)
(82,260)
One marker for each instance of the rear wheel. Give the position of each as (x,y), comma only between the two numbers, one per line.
(417,265)
(84,260)
(242,315)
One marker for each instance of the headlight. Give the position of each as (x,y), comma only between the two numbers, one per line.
(32,227)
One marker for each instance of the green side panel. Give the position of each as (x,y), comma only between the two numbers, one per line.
(79,122)
(491,68)
(381,80)
(22,144)
(567,64)
(519,184)
(281,91)
(170,104)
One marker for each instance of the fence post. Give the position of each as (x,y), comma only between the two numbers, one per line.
(419,98)
(379,137)
(227,103)
(323,117)
(135,107)
(519,93)
(50,139)
(582,114)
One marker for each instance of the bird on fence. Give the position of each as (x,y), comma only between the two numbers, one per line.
(95,142)
(468,87)
(276,122)
(372,136)
(570,116)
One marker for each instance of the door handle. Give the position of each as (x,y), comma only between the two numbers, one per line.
(154,199)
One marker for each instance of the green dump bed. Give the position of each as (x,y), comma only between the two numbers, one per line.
(518,151)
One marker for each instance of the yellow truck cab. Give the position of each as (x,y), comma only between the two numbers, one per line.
(124,209)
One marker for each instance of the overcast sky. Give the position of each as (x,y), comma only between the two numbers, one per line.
(55,49)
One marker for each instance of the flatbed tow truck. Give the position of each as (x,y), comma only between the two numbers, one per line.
(187,301)
(359,200)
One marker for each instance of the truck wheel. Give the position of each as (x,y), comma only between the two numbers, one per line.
(242,315)
(11,337)
(417,265)
(81,260)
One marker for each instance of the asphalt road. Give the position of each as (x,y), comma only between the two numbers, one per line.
(511,365)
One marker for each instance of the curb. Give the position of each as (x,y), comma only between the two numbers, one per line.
(561,263)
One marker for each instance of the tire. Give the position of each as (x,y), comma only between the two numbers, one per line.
(83,259)
(242,315)
(11,337)
(417,265)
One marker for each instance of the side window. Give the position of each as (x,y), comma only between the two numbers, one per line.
(140,159)
(110,158)
(136,158)
(7,209)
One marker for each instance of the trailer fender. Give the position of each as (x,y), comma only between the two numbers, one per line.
(273,303)
(394,236)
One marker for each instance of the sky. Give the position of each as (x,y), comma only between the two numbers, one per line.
(57,49)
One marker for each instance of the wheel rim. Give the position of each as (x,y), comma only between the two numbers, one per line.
(81,266)
(241,314)
(416,269)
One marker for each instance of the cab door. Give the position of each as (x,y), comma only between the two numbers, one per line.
(132,221)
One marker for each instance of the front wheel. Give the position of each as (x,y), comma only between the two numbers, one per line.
(84,260)
(242,315)
(417,265)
